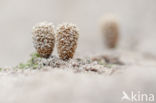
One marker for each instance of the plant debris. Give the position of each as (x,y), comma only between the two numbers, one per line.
(99,64)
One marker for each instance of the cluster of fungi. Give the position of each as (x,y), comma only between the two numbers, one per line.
(66,38)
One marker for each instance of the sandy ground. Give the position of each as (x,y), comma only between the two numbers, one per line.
(55,85)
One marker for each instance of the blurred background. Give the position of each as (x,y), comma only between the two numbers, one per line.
(137,20)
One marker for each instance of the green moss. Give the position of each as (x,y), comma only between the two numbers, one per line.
(30,63)
(109,65)
(101,62)
(105,64)
(35,55)
(21,66)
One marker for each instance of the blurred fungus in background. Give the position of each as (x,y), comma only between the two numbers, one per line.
(110,31)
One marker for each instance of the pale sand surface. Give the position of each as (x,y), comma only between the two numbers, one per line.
(63,85)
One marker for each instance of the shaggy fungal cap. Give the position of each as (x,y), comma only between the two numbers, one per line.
(109,27)
(67,37)
(44,38)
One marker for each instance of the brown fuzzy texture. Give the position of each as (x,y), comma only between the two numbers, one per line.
(110,31)
(67,37)
(44,39)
